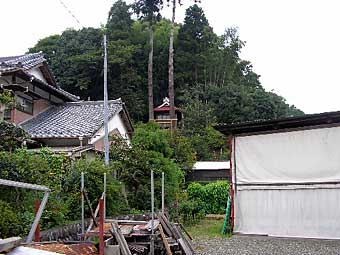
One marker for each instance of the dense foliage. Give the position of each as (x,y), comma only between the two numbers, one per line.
(202,199)
(6,97)
(11,136)
(63,178)
(152,149)
(212,83)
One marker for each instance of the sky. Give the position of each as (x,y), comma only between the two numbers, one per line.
(293,44)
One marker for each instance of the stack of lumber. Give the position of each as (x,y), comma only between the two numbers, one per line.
(135,237)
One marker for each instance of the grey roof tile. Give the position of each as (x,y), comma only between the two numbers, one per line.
(71,120)
(25,62)
(28,61)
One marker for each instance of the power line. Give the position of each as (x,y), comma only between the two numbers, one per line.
(69,11)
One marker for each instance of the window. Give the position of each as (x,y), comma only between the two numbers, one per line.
(24,105)
(7,114)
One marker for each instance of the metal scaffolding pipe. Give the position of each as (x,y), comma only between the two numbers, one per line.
(163,193)
(82,204)
(42,205)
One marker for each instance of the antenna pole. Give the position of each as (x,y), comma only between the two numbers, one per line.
(106,110)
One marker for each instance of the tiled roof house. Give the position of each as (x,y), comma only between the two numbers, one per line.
(51,115)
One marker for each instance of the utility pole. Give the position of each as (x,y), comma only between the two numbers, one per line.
(106,109)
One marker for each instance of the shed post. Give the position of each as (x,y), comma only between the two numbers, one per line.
(231,178)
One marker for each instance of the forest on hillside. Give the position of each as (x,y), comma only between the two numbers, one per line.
(212,83)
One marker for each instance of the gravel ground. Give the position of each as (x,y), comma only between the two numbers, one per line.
(244,245)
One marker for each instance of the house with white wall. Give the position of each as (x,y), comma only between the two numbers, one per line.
(32,85)
(52,116)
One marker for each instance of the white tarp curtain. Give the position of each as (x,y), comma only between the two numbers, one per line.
(308,213)
(306,156)
(290,157)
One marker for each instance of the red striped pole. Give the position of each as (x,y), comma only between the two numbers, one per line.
(37,230)
(101,226)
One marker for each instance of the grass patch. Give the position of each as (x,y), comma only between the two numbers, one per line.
(206,228)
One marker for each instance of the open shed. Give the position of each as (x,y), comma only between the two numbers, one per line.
(285,176)
(209,171)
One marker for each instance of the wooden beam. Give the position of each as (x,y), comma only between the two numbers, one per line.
(165,241)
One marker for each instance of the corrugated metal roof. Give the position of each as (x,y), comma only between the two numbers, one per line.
(211,165)
(297,122)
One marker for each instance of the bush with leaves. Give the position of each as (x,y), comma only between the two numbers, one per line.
(204,199)
(150,150)
(62,176)
(93,177)
(11,136)
(6,97)
(9,221)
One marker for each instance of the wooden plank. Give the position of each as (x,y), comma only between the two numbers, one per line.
(120,239)
(165,241)
(175,231)
(186,244)
(185,231)
(128,222)
(165,227)
(169,225)
(185,248)
(126,229)
(95,215)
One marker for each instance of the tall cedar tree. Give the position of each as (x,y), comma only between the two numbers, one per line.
(149,10)
(171,59)
(171,62)
(194,40)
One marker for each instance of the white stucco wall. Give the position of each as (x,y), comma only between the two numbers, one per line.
(115,123)
(37,73)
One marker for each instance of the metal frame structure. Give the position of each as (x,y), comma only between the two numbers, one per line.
(24,185)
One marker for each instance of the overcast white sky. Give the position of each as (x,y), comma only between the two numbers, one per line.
(293,44)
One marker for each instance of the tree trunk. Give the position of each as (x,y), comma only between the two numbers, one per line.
(150,82)
(171,63)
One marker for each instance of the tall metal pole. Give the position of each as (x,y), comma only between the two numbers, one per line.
(152,244)
(82,205)
(104,198)
(106,109)
(163,193)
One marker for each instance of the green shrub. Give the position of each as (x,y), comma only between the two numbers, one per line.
(191,210)
(9,222)
(204,199)
(11,136)
(216,194)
